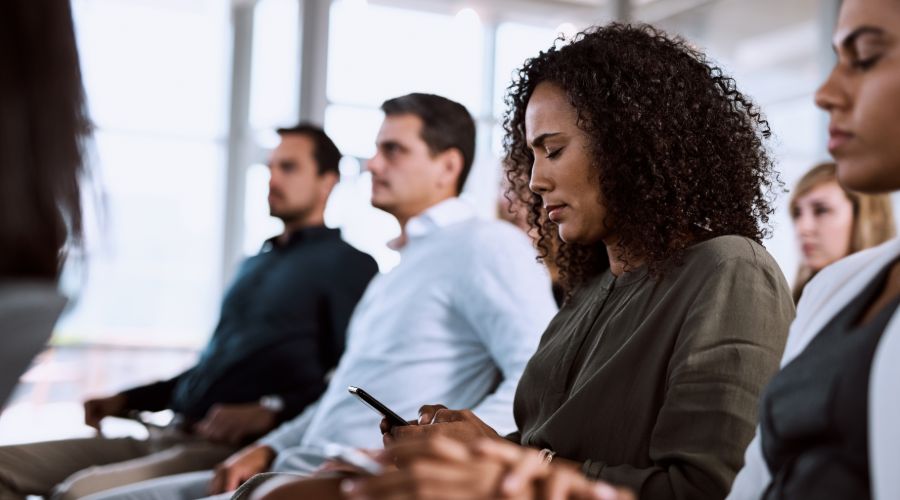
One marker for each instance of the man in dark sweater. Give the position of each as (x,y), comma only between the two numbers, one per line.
(281,329)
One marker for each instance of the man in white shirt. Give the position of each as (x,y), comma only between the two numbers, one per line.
(456,321)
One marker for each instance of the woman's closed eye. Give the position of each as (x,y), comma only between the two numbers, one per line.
(866,63)
(866,51)
(551,153)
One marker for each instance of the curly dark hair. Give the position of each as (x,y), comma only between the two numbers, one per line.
(679,152)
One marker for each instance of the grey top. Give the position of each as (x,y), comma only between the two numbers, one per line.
(28,311)
(654,384)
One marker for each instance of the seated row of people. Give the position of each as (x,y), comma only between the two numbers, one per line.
(456,321)
(827,419)
(646,174)
(648,183)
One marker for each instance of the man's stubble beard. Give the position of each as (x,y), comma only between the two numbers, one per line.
(290,217)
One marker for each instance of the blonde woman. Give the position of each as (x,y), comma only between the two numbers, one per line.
(832,222)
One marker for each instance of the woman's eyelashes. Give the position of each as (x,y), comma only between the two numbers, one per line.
(821,210)
(816,210)
(866,53)
(551,153)
(864,64)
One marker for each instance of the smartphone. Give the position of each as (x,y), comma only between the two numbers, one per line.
(392,418)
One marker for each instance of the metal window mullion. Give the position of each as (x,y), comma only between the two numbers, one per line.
(239,138)
(314,60)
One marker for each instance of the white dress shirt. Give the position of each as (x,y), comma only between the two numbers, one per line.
(462,312)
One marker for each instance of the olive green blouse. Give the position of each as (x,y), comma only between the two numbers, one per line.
(654,383)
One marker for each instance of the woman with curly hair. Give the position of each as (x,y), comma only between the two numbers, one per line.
(645,169)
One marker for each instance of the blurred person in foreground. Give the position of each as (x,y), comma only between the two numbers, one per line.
(832,222)
(281,330)
(43,130)
(648,168)
(829,419)
(456,320)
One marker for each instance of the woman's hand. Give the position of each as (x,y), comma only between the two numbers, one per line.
(526,470)
(462,425)
(433,468)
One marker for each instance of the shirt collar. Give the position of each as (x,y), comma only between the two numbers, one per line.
(441,215)
(302,235)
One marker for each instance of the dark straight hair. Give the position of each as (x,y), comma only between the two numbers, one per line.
(446,124)
(43,129)
(326,153)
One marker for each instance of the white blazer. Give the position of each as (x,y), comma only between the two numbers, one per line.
(824,296)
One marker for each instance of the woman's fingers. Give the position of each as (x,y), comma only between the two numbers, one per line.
(523,472)
(525,465)
(426,480)
(427,413)
(436,447)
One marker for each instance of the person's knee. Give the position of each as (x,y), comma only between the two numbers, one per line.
(78,485)
(58,494)
(7,485)
(11,482)
(7,491)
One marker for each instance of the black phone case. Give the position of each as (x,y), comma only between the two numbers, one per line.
(378,406)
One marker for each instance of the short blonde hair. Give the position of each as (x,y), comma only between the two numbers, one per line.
(873,216)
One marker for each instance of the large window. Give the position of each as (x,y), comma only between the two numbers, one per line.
(379,51)
(777,61)
(515,43)
(156,76)
(274,102)
(375,53)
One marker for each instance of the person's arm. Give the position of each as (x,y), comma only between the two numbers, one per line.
(728,348)
(294,402)
(152,397)
(290,433)
(508,302)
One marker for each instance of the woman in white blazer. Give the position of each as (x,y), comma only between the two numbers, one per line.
(862,97)
(825,295)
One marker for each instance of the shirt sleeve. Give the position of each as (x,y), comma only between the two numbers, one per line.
(728,347)
(297,400)
(290,433)
(508,301)
(152,397)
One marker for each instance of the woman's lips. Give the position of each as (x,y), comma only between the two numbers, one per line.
(554,211)
(837,138)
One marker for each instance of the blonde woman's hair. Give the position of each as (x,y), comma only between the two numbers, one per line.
(873,216)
